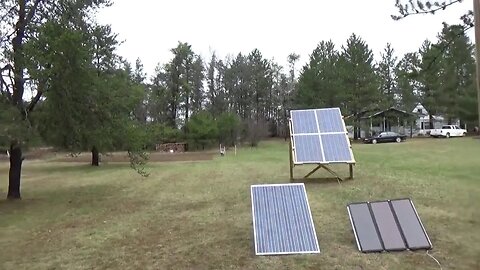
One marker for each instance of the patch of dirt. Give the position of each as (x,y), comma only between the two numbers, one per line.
(123,157)
(31,154)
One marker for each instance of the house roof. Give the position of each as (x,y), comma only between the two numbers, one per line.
(391,109)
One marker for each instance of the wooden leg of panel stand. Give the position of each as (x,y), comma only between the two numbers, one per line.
(291,159)
(351,170)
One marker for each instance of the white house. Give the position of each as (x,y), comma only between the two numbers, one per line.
(423,121)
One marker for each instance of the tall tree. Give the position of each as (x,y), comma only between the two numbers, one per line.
(236,82)
(359,81)
(20,23)
(185,75)
(96,101)
(280,101)
(260,83)
(158,101)
(457,75)
(428,78)
(469,20)
(318,84)
(386,74)
(292,60)
(406,73)
(216,95)
(138,78)
(198,93)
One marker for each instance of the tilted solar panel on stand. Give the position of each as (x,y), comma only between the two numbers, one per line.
(282,221)
(320,137)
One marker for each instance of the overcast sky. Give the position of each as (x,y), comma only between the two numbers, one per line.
(277,28)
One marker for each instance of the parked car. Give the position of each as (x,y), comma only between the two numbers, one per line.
(448,131)
(386,137)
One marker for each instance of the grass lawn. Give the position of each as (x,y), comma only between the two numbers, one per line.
(197,215)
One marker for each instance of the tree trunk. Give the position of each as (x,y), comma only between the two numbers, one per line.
(95,156)
(14,173)
(356,130)
(187,111)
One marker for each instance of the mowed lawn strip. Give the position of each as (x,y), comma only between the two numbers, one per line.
(197,215)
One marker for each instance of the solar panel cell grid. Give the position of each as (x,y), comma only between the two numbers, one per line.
(308,149)
(330,120)
(336,148)
(282,220)
(304,122)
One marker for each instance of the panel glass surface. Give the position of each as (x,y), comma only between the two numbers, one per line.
(282,219)
(411,226)
(336,148)
(304,122)
(387,226)
(308,149)
(330,120)
(365,230)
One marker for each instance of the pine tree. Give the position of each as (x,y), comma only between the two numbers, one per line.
(386,74)
(359,82)
(318,85)
(406,73)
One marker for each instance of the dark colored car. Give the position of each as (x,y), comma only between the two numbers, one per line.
(386,137)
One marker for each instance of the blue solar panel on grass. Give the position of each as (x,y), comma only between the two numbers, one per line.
(330,120)
(336,148)
(304,122)
(282,220)
(308,149)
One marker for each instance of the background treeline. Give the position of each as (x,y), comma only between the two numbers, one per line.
(86,97)
(246,97)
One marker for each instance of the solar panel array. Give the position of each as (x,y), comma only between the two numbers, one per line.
(319,137)
(282,221)
(387,225)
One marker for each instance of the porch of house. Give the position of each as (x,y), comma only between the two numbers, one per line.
(392,119)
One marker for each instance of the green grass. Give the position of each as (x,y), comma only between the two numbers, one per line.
(197,215)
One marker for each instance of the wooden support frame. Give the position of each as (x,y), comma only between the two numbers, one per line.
(319,166)
(325,167)
(351,170)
